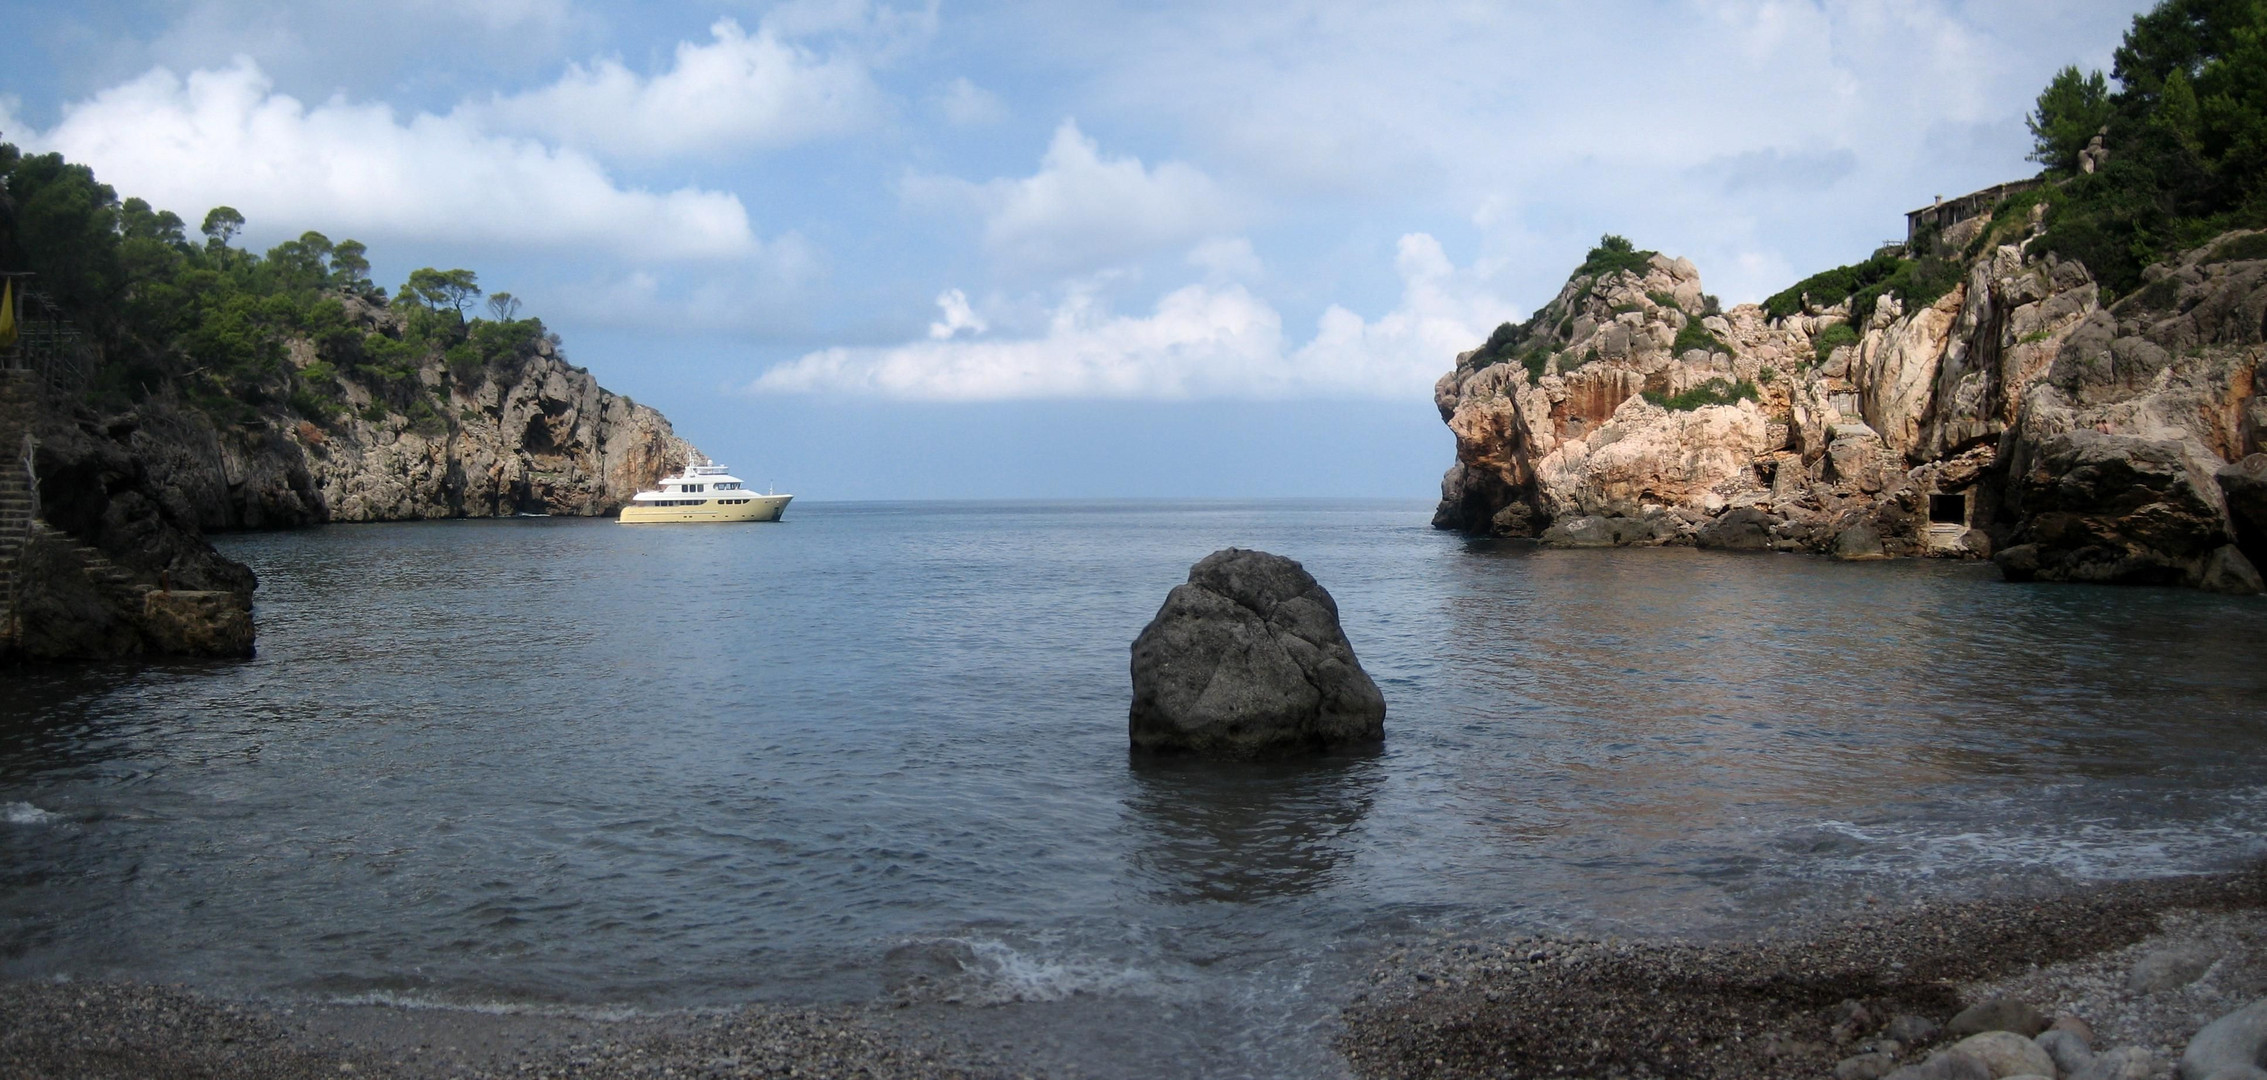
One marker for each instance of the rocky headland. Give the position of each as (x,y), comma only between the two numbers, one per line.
(2014,416)
(154,390)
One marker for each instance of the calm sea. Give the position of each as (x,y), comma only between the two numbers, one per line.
(878,751)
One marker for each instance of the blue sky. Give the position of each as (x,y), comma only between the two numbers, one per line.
(1059,249)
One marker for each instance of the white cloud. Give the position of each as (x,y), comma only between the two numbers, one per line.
(225,137)
(965,104)
(738,90)
(958,316)
(1228,258)
(1082,210)
(1199,341)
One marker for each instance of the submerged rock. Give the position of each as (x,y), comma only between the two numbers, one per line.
(1247,660)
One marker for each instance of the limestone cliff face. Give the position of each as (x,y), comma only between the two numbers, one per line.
(104,515)
(2015,414)
(537,435)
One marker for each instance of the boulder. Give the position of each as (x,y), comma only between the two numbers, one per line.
(1743,529)
(2113,509)
(1997,1014)
(2229,1048)
(1861,541)
(2244,484)
(1247,660)
(2227,571)
(197,623)
(2007,1054)
(1582,532)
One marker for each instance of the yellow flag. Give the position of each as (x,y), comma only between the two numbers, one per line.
(8,314)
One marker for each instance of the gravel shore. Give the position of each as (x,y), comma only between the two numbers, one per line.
(1780,1007)
(2143,964)
(124,1031)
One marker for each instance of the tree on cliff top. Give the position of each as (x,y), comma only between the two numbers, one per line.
(2187,139)
(207,323)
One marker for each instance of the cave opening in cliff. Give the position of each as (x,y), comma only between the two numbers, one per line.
(1948,509)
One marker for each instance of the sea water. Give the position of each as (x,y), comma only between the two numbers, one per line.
(878,752)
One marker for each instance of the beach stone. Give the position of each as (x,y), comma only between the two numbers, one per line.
(2123,1063)
(2229,1048)
(2170,968)
(2076,1026)
(1912,1030)
(1946,1065)
(2069,1051)
(1997,1014)
(1247,659)
(2008,1053)
(1872,1066)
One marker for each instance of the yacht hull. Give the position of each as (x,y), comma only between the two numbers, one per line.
(741,507)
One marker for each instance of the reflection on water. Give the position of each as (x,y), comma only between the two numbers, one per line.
(881,749)
(1246,832)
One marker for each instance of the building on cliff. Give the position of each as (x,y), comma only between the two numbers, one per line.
(1940,217)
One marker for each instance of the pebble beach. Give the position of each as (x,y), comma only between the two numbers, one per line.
(2137,967)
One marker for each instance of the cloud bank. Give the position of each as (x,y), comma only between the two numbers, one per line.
(1082,210)
(1200,341)
(737,90)
(226,137)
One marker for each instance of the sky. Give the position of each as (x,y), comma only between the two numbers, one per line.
(1048,250)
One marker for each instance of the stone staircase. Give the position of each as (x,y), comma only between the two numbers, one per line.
(19,396)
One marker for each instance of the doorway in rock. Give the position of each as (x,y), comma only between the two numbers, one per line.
(1948,509)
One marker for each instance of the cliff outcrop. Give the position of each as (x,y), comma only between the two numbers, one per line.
(104,513)
(521,432)
(2013,414)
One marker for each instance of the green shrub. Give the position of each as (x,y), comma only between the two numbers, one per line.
(2239,249)
(375,412)
(1614,254)
(1831,287)
(464,364)
(1498,347)
(315,405)
(1696,336)
(1832,338)
(1662,299)
(425,420)
(1536,360)
(2008,220)
(1712,392)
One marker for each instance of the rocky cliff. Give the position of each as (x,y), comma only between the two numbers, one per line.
(103,551)
(2013,415)
(524,432)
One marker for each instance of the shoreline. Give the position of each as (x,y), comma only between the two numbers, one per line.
(1760,1005)
(1776,1004)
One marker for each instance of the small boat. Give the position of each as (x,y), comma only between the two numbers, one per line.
(703,493)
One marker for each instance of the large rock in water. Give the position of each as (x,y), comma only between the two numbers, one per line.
(1247,660)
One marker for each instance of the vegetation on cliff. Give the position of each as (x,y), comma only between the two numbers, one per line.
(212,324)
(2185,129)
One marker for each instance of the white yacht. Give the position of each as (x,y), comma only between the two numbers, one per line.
(703,493)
